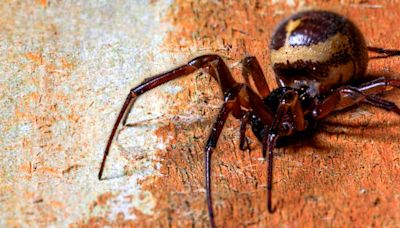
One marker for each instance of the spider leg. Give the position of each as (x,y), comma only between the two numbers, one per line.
(291,99)
(383,53)
(341,98)
(243,139)
(378,85)
(382,103)
(228,106)
(249,98)
(268,144)
(251,67)
(222,75)
(347,96)
(288,105)
(237,97)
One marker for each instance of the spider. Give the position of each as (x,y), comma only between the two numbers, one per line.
(317,57)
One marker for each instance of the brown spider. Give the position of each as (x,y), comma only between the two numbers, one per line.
(316,56)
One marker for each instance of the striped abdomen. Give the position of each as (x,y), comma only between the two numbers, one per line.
(319,49)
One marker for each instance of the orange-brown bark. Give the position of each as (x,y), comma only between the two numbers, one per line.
(68,65)
(347,174)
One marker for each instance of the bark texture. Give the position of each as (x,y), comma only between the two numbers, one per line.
(67,68)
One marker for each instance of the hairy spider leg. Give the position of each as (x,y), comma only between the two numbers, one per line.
(384,53)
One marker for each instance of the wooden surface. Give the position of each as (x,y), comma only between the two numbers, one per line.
(68,68)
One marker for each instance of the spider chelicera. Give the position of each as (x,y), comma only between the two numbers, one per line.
(316,56)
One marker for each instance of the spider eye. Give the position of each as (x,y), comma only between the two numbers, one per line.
(303,88)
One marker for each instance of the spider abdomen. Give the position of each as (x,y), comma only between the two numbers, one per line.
(319,49)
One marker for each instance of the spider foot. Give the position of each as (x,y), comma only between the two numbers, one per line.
(382,103)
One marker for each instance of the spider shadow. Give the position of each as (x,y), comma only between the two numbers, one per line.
(371,128)
(374,129)
(308,138)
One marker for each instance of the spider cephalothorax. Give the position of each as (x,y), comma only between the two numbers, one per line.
(316,56)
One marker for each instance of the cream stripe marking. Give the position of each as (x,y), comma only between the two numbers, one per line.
(320,52)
